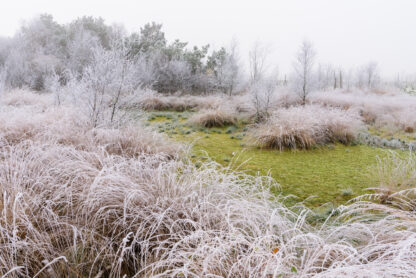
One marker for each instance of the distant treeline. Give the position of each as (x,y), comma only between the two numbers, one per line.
(43,51)
(43,48)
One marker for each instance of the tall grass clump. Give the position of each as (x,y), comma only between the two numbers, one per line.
(395,174)
(304,127)
(396,171)
(219,117)
(151,103)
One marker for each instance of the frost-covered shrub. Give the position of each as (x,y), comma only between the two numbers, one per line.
(262,94)
(105,86)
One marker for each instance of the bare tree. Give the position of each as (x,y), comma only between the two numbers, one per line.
(233,66)
(105,84)
(360,77)
(303,66)
(367,76)
(371,73)
(335,80)
(80,51)
(262,94)
(262,83)
(324,76)
(53,85)
(258,57)
(341,80)
(2,80)
(348,78)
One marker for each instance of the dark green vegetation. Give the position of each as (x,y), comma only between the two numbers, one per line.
(333,174)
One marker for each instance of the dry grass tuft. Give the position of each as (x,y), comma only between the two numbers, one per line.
(154,103)
(213,118)
(305,127)
(395,171)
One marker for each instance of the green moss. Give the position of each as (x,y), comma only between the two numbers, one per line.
(322,172)
(332,174)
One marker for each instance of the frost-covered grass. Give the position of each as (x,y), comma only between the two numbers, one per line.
(21,97)
(83,202)
(304,127)
(396,172)
(387,112)
(151,101)
(65,127)
(213,118)
(390,111)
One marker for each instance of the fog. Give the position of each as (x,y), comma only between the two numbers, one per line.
(346,33)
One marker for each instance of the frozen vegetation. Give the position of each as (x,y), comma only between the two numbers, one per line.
(89,188)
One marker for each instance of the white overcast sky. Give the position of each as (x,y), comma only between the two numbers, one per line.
(344,32)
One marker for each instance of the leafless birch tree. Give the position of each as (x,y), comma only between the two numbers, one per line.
(303,66)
